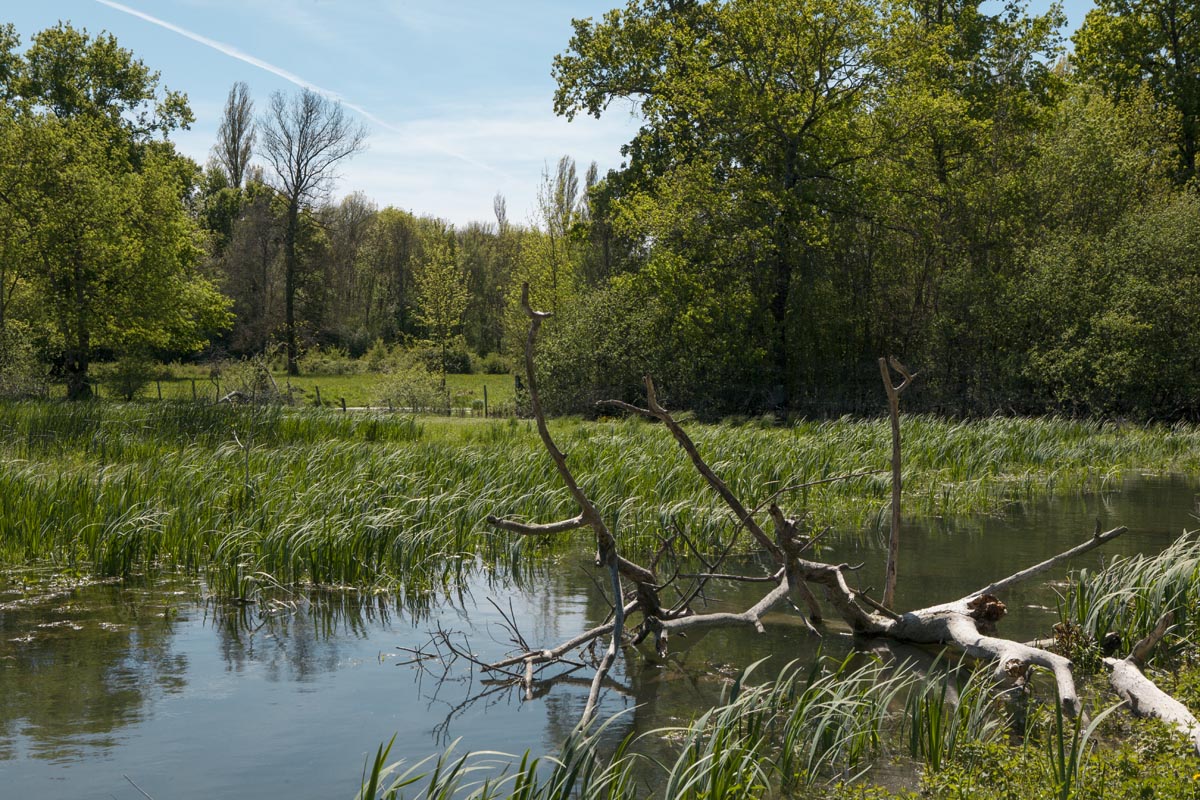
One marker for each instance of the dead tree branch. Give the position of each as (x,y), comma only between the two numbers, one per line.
(967,624)
(1097,540)
(886,365)
(1142,695)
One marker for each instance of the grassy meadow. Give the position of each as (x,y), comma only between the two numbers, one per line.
(246,495)
(357,389)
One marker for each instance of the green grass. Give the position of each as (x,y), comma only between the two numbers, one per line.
(388,501)
(820,732)
(789,734)
(358,389)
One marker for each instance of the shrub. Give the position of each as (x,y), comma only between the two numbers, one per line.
(411,384)
(251,378)
(128,376)
(495,364)
(329,361)
(378,358)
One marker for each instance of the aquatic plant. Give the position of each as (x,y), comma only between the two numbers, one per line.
(811,727)
(398,503)
(1129,596)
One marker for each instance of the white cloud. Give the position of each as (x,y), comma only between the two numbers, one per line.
(407,168)
(449,162)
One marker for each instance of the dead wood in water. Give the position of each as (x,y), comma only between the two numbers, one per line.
(813,588)
(1142,695)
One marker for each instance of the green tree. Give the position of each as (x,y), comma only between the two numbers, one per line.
(442,293)
(114,251)
(110,253)
(235,136)
(1112,317)
(69,74)
(388,263)
(251,269)
(1127,44)
(942,216)
(753,119)
(488,273)
(347,225)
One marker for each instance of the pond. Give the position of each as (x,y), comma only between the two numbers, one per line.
(149,683)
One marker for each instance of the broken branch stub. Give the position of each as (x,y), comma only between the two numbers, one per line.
(1142,695)
(886,365)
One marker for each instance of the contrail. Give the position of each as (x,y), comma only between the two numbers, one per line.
(291,77)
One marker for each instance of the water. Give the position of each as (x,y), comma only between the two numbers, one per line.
(150,683)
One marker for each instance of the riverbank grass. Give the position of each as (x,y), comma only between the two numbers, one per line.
(393,502)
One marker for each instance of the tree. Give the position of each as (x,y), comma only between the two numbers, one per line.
(114,251)
(235,136)
(942,214)
(388,261)
(1127,44)
(348,224)
(250,269)
(558,207)
(753,116)
(303,141)
(443,298)
(487,272)
(68,74)
(110,250)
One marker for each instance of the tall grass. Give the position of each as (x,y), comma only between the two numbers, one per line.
(786,737)
(940,719)
(245,494)
(1130,595)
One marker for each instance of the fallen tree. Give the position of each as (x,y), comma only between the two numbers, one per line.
(967,623)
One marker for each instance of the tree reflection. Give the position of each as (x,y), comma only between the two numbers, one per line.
(78,663)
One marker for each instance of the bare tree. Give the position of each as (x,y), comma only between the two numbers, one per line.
(303,140)
(558,206)
(235,137)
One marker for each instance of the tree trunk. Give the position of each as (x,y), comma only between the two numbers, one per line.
(289,286)
(80,340)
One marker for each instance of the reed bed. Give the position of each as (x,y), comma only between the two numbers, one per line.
(254,495)
(1129,596)
(811,727)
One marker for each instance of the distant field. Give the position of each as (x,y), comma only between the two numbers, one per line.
(359,390)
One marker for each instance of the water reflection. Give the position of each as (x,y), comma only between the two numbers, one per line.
(288,696)
(77,667)
(294,637)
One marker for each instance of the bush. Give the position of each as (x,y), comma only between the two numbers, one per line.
(379,358)
(251,378)
(495,364)
(329,361)
(411,385)
(128,376)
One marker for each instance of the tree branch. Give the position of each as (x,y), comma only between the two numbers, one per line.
(1096,541)
(533,529)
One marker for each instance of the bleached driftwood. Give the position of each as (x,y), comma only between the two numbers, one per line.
(967,623)
(1142,695)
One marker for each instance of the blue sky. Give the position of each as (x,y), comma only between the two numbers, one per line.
(456,94)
